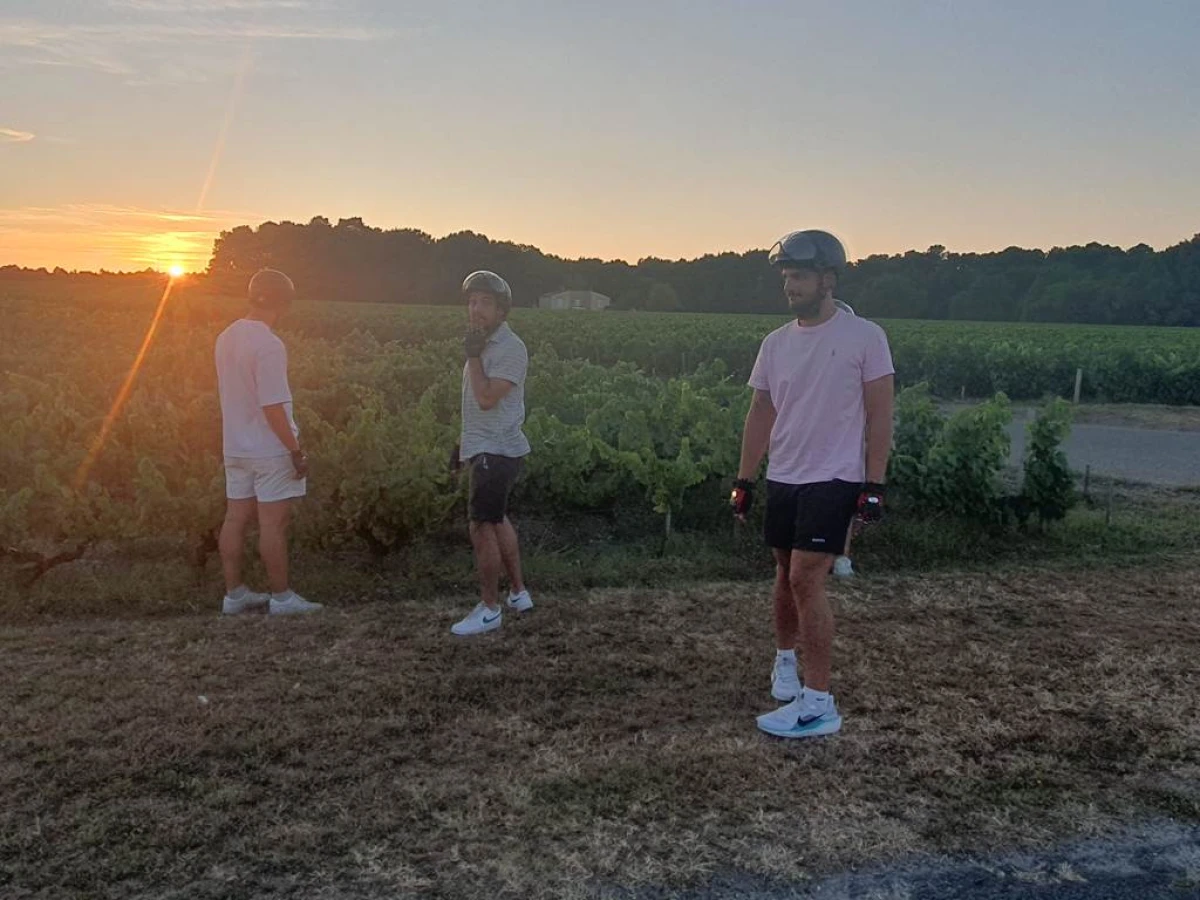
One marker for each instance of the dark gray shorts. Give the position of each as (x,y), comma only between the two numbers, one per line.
(492,480)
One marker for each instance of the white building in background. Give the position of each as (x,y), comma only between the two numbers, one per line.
(574,300)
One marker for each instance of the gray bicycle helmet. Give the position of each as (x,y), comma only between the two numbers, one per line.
(808,250)
(489,283)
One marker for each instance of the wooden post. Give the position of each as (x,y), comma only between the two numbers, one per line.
(1078,384)
(1087,480)
(1109,506)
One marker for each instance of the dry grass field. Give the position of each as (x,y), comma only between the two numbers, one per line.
(604,742)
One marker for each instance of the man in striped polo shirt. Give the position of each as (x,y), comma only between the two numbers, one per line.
(492,445)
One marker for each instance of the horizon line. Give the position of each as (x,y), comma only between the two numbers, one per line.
(612,261)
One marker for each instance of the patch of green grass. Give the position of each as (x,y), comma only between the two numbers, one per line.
(1145,525)
(578,553)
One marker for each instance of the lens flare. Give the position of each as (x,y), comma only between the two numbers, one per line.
(175,271)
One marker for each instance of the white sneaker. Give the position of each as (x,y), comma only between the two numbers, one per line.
(843,568)
(249,602)
(479,621)
(785,683)
(802,718)
(521,602)
(293,606)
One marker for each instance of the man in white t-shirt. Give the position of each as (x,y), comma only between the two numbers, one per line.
(265,468)
(823,389)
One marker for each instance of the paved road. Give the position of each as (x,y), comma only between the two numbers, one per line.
(1170,458)
(1160,860)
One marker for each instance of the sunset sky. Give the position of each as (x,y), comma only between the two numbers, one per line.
(133,131)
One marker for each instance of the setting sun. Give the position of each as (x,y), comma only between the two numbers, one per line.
(175,271)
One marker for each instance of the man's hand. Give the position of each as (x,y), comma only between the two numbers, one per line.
(455,460)
(870,503)
(299,464)
(742,498)
(474,342)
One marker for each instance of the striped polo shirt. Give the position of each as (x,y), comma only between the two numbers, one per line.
(497,430)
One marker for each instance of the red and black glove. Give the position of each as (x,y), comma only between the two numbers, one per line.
(742,498)
(870,503)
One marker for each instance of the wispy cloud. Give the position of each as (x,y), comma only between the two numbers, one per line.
(131,48)
(207,6)
(13,136)
(105,236)
(43,35)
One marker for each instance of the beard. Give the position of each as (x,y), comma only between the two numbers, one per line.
(486,324)
(805,307)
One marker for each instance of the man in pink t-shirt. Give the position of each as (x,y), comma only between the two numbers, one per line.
(822,413)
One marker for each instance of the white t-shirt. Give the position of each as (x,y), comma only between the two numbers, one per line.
(815,376)
(251,374)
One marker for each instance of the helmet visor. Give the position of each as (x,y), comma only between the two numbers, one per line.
(798,250)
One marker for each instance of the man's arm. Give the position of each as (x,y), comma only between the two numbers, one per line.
(488,391)
(878,399)
(277,418)
(270,377)
(757,434)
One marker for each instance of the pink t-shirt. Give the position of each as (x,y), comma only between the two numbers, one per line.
(815,376)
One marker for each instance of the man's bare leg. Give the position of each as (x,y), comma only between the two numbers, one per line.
(813,713)
(273,519)
(787,623)
(785,683)
(488,562)
(232,541)
(510,554)
(808,574)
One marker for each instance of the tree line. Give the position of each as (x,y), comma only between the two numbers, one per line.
(349,260)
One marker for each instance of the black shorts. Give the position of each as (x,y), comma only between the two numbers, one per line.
(492,480)
(814,517)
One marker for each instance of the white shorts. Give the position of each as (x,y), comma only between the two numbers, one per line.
(266,480)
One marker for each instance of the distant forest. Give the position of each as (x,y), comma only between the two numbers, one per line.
(352,261)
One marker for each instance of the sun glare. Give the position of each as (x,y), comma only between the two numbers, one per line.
(175,271)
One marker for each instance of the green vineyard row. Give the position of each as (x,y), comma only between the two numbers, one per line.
(377,399)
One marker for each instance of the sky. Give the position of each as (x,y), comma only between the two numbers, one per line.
(133,131)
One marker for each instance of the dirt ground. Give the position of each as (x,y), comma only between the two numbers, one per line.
(604,742)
